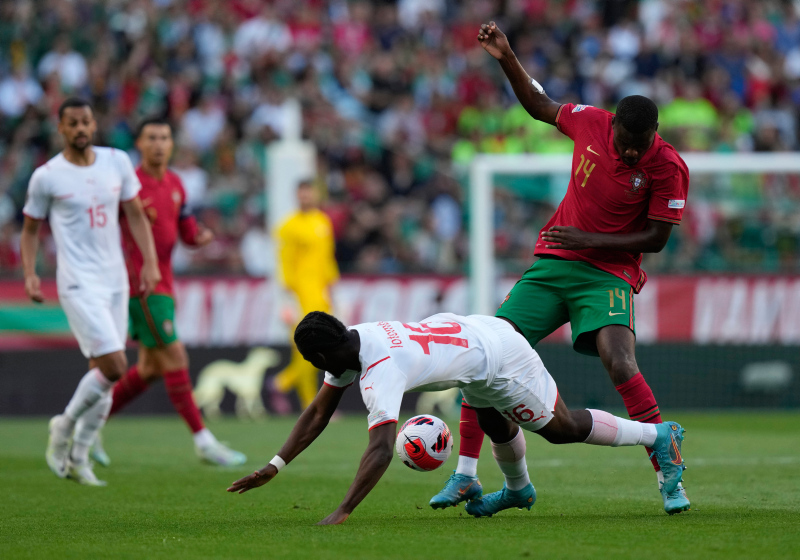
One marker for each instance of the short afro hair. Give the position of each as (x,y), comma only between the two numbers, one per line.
(72,102)
(637,114)
(319,332)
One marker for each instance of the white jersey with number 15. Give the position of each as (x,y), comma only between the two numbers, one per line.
(439,352)
(82,203)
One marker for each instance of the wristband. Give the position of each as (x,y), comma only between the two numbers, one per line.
(277,462)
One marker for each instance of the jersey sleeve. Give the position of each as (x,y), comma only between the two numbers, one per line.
(345,380)
(571,118)
(38,197)
(382,388)
(668,196)
(130,182)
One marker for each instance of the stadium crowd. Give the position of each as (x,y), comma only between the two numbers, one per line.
(398,97)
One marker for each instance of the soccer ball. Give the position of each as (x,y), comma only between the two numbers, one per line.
(424,443)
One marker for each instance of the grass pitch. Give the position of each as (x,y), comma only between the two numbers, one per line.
(592,502)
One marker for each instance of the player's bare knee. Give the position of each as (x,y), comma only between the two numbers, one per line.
(174,357)
(621,367)
(149,373)
(112,366)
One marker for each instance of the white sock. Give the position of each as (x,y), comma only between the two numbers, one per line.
(204,438)
(91,388)
(510,457)
(88,426)
(610,430)
(468,466)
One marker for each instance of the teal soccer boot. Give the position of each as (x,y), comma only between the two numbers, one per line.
(502,499)
(675,501)
(667,451)
(458,488)
(98,453)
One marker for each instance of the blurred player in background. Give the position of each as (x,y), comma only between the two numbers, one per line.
(152,315)
(627,189)
(81,191)
(308,270)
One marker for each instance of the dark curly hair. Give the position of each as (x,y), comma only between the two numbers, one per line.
(319,332)
(637,114)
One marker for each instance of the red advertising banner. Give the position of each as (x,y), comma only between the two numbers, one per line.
(245,311)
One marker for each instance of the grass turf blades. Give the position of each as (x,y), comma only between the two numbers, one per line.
(592,502)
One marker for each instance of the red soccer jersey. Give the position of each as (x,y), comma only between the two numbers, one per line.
(607,196)
(164,203)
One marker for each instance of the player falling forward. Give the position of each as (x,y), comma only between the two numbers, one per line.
(81,190)
(627,189)
(152,322)
(500,375)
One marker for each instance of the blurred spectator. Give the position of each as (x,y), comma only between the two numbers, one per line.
(18,91)
(69,65)
(202,125)
(398,98)
(194,179)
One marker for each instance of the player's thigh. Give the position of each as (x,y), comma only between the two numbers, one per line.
(112,365)
(93,322)
(495,425)
(535,304)
(523,391)
(171,357)
(597,299)
(152,320)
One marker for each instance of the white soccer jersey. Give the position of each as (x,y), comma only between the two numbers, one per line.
(440,352)
(83,206)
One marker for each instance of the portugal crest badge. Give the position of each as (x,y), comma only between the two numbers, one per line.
(637,181)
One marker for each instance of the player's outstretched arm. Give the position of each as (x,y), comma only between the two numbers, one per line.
(29,246)
(650,240)
(311,423)
(142,234)
(528,91)
(374,463)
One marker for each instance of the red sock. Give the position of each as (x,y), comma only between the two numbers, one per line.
(179,391)
(470,432)
(641,405)
(126,389)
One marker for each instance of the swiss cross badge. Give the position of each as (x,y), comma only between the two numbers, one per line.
(637,181)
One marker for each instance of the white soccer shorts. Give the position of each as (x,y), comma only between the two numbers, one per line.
(99,320)
(523,390)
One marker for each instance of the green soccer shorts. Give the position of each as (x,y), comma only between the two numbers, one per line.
(152,320)
(554,291)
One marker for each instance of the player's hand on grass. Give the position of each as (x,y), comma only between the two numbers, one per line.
(493,40)
(204,237)
(151,276)
(258,478)
(336,518)
(33,287)
(566,237)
